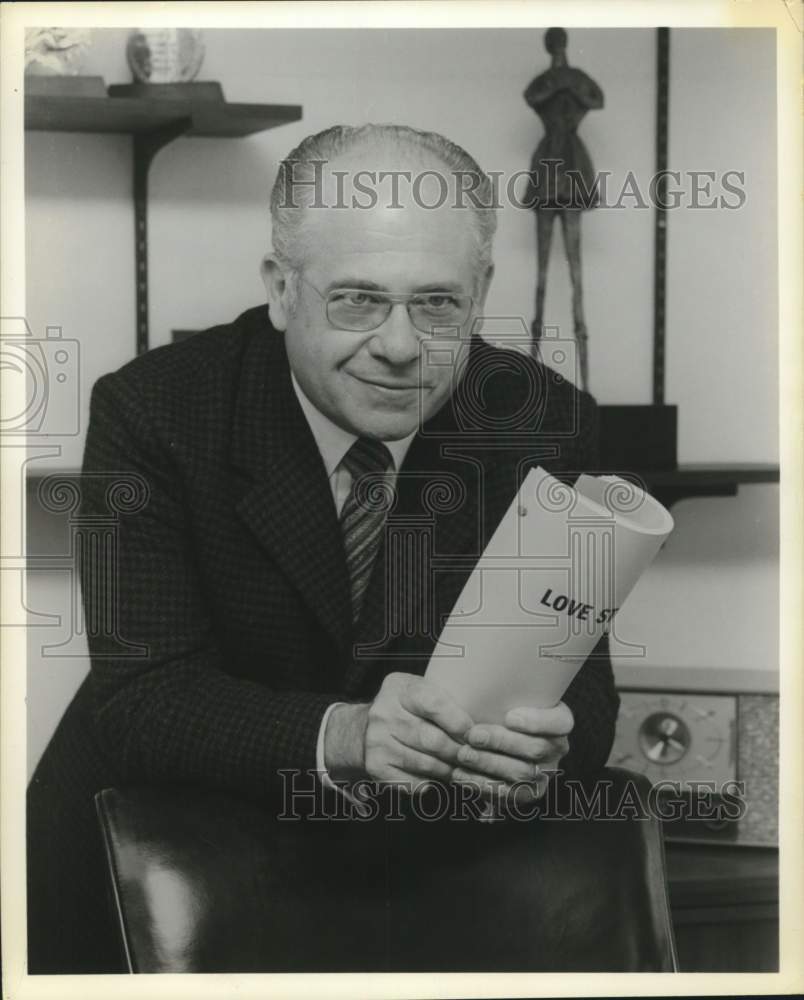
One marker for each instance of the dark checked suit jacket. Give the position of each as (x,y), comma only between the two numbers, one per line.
(232,630)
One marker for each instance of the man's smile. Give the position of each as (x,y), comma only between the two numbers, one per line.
(391,385)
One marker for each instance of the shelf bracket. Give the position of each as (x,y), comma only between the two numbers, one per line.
(146,146)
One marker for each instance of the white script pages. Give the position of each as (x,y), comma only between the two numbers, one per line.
(549,584)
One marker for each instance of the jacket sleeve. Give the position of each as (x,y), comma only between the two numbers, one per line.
(164,707)
(591,697)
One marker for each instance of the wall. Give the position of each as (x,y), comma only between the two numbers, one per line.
(712,597)
(722,266)
(209,229)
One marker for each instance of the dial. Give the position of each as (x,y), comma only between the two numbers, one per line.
(670,736)
(664,738)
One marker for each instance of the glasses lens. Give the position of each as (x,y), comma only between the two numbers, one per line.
(428,312)
(354,309)
(360,310)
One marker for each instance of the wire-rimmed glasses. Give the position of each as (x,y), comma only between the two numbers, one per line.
(360,310)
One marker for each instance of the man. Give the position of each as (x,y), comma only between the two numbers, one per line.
(267,619)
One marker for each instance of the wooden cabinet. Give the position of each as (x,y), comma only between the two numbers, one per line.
(725,905)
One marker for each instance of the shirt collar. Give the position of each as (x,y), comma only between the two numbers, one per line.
(333,441)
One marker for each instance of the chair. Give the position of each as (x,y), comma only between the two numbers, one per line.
(204,882)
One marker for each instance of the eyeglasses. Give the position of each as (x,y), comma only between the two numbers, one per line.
(360,310)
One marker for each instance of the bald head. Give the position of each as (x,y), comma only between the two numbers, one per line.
(373,168)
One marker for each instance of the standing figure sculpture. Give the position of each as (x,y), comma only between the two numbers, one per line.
(562,178)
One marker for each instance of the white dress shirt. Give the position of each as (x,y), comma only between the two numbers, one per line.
(333,443)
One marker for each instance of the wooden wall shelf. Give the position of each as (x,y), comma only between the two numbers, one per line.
(152,122)
(139,115)
(671,485)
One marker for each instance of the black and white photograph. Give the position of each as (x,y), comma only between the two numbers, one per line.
(401,441)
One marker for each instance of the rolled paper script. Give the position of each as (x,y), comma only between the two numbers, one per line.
(555,573)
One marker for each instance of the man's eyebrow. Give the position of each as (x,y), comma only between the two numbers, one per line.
(441,286)
(369,286)
(373,286)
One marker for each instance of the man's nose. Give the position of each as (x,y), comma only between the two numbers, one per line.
(397,340)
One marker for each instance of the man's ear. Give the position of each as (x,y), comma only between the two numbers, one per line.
(277,287)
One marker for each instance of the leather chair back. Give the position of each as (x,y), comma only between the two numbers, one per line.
(204,882)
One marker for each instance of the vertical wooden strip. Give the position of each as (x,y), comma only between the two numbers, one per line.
(660,213)
(142,161)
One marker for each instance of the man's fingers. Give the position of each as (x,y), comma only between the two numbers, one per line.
(419,734)
(495,765)
(489,788)
(409,783)
(522,792)
(500,739)
(428,701)
(421,764)
(556,721)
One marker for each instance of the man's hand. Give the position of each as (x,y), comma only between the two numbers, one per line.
(410,733)
(523,752)
(413,731)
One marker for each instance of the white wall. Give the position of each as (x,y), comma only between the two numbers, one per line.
(711,599)
(722,317)
(209,228)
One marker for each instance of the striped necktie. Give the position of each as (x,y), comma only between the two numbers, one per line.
(363,513)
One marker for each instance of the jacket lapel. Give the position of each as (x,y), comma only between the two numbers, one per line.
(287,502)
